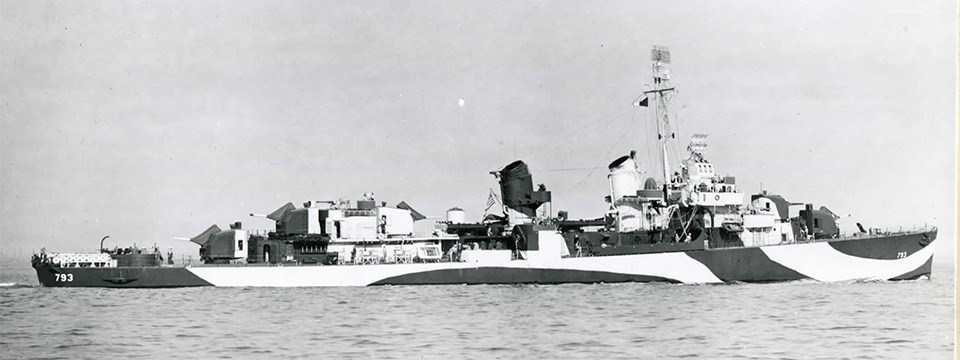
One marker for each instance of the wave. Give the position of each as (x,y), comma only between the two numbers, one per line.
(15,285)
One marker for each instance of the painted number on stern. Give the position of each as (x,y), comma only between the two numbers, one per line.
(64,277)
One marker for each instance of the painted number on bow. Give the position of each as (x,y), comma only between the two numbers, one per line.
(901,255)
(64,277)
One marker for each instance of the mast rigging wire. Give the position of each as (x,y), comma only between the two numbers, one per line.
(607,154)
(606,120)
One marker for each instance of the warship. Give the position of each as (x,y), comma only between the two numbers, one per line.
(690,224)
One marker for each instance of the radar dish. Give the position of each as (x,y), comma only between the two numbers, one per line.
(650,184)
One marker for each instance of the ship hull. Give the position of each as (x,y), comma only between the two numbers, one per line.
(896,257)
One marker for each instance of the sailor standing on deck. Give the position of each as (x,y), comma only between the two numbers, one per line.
(455,252)
(382,224)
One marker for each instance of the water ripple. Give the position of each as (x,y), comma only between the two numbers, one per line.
(793,320)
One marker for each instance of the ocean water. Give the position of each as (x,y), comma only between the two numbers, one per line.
(795,320)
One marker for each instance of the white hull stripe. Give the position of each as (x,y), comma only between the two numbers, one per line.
(677,266)
(822,262)
(674,266)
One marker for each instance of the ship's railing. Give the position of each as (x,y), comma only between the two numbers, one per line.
(196,263)
(402,257)
(874,233)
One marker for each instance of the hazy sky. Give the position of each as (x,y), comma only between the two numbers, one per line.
(150,120)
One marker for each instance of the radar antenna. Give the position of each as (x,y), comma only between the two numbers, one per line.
(697,147)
